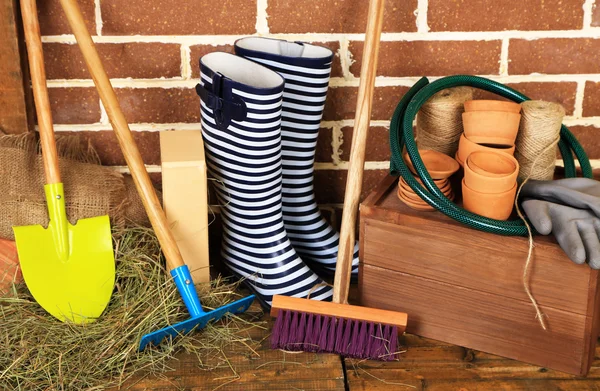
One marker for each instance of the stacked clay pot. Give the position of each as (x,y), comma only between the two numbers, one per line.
(440,168)
(485,152)
(489,125)
(489,186)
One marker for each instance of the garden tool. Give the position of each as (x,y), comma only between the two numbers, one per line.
(69,269)
(179,271)
(338,327)
(306,69)
(569,209)
(241,116)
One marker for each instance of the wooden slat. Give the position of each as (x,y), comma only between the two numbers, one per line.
(13,111)
(239,369)
(480,261)
(478,320)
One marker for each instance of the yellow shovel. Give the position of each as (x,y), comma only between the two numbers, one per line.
(69,269)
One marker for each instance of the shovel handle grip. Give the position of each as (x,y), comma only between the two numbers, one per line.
(123,133)
(35,55)
(364,103)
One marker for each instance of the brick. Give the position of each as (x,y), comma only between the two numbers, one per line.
(340,16)
(74,105)
(197,51)
(563,93)
(121,60)
(589,138)
(495,15)
(596,15)
(53,21)
(336,65)
(432,58)
(186,17)
(324,149)
(159,105)
(378,144)
(106,145)
(554,56)
(591,102)
(330,184)
(341,102)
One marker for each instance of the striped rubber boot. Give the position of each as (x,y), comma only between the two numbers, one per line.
(306,70)
(241,128)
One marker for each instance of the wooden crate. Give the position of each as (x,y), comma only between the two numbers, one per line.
(464,287)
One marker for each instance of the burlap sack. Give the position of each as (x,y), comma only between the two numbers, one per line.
(90,189)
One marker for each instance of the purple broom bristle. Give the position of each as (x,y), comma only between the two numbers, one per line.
(300,331)
(339,334)
(346,338)
(277,327)
(293,333)
(323,334)
(354,338)
(331,335)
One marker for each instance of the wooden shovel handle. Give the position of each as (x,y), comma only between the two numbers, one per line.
(357,155)
(33,40)
(123,133)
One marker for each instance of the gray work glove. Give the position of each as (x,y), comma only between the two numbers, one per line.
(570,209)
(575,230)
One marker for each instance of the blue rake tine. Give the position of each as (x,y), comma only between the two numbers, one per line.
(199,319)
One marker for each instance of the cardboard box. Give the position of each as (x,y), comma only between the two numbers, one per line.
(185,197)
(465,287)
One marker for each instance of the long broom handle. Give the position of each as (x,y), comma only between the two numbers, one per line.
(35,55)
(119,125)
(364,103)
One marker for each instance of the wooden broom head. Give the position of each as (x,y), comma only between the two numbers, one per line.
(346,311)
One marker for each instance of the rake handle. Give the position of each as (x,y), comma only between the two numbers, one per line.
(35,55)
(357,155)
(123,133)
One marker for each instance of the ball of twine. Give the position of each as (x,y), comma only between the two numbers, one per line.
(538,131)
(439,121)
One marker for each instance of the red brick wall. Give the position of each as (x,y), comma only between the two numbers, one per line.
(549,49)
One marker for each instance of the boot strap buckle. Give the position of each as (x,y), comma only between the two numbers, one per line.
(220,99)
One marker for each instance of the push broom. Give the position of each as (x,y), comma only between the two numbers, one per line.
(337,327)
(179,271)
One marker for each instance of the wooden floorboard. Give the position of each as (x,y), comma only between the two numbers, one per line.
(426,365)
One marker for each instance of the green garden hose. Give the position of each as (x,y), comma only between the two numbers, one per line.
(401,134)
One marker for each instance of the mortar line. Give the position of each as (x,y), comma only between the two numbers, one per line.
(98,17)
(262,18)
(335,82)
(186,68)
(579,97)
(103,114)
(504,58)
(337,139)
(422,9)
(588,7)
(345,58)
(325,37)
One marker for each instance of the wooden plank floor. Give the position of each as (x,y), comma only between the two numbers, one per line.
(426,365)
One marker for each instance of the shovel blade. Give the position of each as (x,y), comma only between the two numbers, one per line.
(76,285)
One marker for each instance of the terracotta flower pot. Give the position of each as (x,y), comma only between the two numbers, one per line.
(444,187)
(492,105)
(491,172)
(491,127)
(466,147)
(421,206)
(497,206)
(439,165)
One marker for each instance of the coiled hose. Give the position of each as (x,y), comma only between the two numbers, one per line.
(401,134)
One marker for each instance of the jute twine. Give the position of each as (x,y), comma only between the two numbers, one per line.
(539,129)
(529,261)
(439,121)
(90,189)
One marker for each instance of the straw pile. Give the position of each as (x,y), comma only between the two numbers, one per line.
(38,352)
